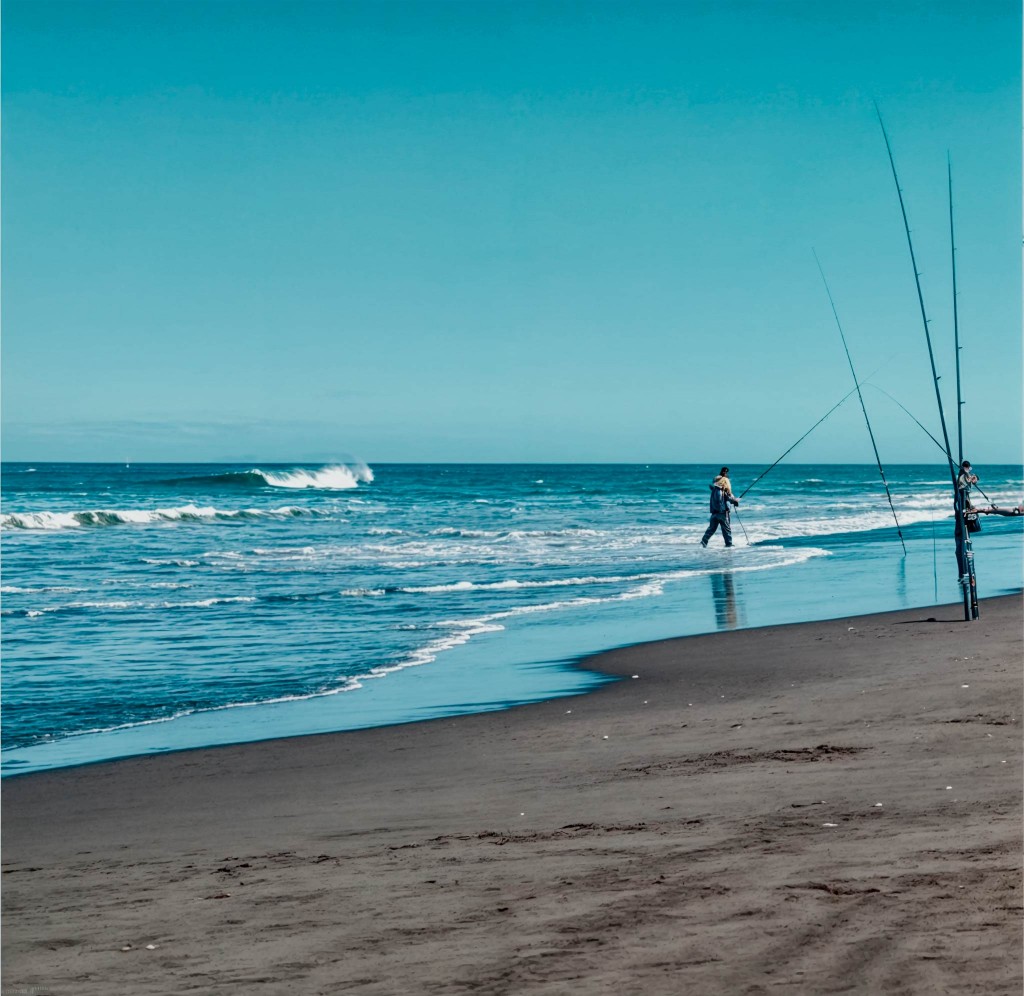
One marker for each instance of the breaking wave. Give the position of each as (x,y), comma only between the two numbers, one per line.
(339,477)
(119,517)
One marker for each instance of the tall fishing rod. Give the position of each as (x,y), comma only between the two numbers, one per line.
(970,590)
(863,407)
(956,321)
(964,556)
(764,473)
(920,295)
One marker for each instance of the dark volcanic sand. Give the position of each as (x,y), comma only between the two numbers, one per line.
(666,836)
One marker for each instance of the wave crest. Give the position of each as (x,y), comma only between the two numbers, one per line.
(125,516)
(338,477)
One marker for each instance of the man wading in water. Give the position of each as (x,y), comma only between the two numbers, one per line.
(721,498)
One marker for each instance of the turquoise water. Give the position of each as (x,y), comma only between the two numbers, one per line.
(159,607)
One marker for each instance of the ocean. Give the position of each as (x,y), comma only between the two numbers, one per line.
(158,607)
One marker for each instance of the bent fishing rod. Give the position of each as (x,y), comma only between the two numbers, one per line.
(863,407)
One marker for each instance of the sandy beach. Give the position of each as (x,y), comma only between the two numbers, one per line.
(826,807)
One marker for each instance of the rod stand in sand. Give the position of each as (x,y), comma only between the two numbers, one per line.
(965,562)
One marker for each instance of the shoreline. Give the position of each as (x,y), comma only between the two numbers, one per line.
(549,670)
(613,841)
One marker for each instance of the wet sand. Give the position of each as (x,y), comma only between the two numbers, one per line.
(828,807)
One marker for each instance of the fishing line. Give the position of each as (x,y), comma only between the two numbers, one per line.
(931,437)
(843,400)
(863,407)
(911,414)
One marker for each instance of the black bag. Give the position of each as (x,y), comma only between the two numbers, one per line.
(972,522)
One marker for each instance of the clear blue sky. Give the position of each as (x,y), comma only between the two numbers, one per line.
(502,231)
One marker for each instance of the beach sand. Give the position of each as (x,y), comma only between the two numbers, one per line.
(827,807)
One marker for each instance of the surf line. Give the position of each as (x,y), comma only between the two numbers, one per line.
(860,398)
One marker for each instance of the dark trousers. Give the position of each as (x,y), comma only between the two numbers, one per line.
(718,519)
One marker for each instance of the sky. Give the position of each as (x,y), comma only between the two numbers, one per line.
(505,231)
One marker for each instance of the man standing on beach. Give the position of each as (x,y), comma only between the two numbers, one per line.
(963,483)
(963,489)
(963,508)
(721,498)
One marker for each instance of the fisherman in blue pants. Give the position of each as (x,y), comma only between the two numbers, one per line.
(721,498)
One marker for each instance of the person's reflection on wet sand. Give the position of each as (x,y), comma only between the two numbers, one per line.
(723,592)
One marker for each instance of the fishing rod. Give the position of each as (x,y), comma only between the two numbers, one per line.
(764,473)
(744,528)
(920,295)
(970,590)
(964,556)
(956,321)
(863,407)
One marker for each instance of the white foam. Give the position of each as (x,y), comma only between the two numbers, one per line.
(207,602)
(112,517)
(126,605)
(336,478)
(12,589)
(512,584)
(831,525)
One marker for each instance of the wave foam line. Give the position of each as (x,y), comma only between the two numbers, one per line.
(13,589)
(821,527)
(348,684)
(121,605)
(51,521)
(338,477)
(512,584)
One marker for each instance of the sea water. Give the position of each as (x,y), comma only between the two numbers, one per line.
(157,607)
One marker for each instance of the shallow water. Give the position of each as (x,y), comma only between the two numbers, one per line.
(157,607)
